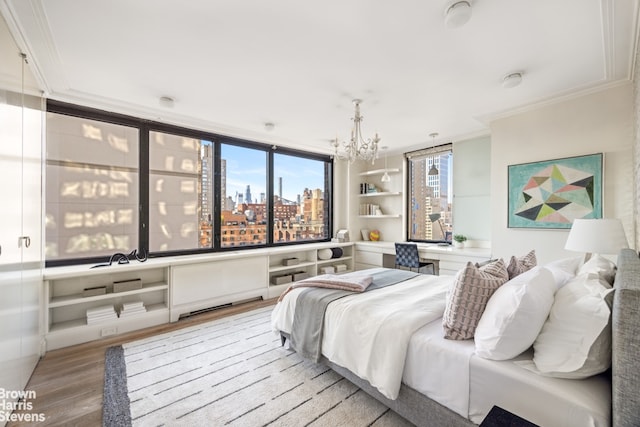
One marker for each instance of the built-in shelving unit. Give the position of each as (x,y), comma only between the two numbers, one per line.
(172,287)
(308,265)
(66,306)
(374,194)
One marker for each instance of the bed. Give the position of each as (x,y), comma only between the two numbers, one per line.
(407,364)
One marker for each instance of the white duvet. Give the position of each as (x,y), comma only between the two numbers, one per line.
(369,333)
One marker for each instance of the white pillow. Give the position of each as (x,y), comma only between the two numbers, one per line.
(601,266)
(575,341)
(564,269)
(515,314)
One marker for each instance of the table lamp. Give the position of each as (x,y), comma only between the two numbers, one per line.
(600,236)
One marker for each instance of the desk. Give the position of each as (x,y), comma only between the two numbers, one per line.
(448,258)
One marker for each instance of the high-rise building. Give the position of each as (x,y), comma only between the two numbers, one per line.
(421,228)
(223,186)
(206,180)
(430,198)
(247,195)
(205,171)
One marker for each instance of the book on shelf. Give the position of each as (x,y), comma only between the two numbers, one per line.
(132,309)
(367,188)
(370,209)
(101,314)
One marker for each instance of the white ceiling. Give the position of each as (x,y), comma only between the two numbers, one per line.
(232,65)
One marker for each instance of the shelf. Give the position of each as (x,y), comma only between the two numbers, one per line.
(82,323)
(379,172)
(273,269)
(381,193)
(380,216)
(67,300)
(346,259)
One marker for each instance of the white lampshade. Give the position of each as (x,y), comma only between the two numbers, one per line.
(600,236)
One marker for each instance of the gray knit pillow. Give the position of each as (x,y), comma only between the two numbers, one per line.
(471,291)
(521,264)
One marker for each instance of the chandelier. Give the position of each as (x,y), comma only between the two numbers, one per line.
(357,148)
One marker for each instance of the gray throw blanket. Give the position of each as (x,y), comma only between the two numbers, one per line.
(311,305)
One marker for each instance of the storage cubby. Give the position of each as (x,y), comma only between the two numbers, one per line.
(308,263)
(374,195)
(346,259)
(66,306)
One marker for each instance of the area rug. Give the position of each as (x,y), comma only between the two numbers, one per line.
(230,372)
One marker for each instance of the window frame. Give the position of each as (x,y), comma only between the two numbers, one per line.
(145,127)
(415,155)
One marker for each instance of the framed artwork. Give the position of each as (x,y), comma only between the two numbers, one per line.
(552,193)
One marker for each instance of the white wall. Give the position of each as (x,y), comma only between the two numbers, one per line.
(597,122)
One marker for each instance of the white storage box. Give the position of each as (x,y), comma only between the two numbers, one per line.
(341,268)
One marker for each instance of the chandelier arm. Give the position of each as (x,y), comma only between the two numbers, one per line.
(357,147)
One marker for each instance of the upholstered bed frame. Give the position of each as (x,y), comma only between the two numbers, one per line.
(625,370)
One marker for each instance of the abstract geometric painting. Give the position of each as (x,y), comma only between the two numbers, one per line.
(551,194)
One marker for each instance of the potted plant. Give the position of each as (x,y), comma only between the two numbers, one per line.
(458,240)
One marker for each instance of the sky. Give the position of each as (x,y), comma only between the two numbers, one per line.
(247,166)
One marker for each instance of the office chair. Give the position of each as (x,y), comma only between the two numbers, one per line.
(407,256)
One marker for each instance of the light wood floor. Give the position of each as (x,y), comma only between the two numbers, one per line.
(68,382)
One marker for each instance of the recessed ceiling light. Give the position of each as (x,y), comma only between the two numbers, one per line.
(269,126)
(512,80)
(457,14)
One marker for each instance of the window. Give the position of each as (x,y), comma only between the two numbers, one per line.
(180,192)
(91,188)
(243,194)
(117,183)
(430,203)
(299,202)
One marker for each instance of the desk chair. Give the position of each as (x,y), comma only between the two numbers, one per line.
(407,256)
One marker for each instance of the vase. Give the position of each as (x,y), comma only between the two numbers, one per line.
(458,245)
(324,254)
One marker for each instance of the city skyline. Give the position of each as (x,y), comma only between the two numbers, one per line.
(248,167)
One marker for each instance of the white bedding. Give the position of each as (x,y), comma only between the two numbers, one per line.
(396,336)
(449,372)
(429,363)
(549,402)
(383,320)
